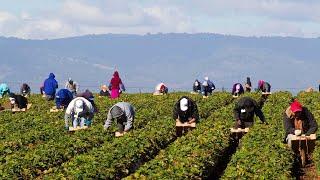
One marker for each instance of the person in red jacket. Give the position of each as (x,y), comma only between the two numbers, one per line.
(116,85)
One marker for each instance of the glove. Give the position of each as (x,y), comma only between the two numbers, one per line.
(297,132)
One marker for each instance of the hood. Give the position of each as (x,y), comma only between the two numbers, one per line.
(260,83)
(116,74)
(4,87)
(51,76)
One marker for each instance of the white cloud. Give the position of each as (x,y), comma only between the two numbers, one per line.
(245,17)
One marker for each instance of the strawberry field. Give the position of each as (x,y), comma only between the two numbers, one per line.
(34,144)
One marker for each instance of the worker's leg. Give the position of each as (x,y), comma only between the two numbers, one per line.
(75,122)
(179,131)
(82,120)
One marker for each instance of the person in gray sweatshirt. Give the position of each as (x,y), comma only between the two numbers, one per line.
(123,113)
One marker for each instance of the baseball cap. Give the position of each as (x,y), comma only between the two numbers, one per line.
(79,106)
(295,106)
(184,104)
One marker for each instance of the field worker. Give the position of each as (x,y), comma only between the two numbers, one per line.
(89,96)
(237,89)
(72,86)
(116,85)
(185,111)
(263,86)
(80,111)
(124,115)
(4,89)
(207,87)
(50,86)
(104,91)
(25,90)
(196,86)
(244,111)
(161,89)
(298,120)
(248,85)
(18,100)
(63,98)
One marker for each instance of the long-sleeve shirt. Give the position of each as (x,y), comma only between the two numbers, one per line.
(245,109)
(309,125)
(74,87)
(191,112)
(129,113)
(88,109)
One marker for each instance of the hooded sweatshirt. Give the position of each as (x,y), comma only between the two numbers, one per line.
(191,112)
(308,126)
(116,82)
(50,85)
(245,109)
(4,89)
(63,98)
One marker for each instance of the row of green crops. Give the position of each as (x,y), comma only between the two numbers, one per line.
(29,162)
(39,125)
(312,101)
(196,154)
(262,154)
(122,156)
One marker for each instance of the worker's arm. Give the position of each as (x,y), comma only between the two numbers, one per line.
(289,128)
(313,126)
(108,121)
(195,115)
(259,113)
(175,114)
(236,112)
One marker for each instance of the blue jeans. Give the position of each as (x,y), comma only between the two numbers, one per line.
(78,120)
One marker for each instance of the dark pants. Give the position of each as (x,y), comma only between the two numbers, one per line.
(121,126)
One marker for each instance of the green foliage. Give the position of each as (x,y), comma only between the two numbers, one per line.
(262,154)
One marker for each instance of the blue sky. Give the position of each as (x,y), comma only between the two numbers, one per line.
(49,19)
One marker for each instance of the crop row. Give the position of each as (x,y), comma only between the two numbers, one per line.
(312,101)
(124,155)
(58,149)
(195,155)
(41,126)
(262,154)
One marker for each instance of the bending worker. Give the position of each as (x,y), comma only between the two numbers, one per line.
(244,112)
(25,90)
(237,89)
(185,113)
(63,98)
(18,100)
(263,86)
(4,89)
(196,86)
(161,89)
(124,114)
(80,111)
(298,120)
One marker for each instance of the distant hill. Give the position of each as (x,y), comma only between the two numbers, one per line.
(176,59)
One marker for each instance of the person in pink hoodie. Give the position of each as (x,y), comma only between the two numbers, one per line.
(116,85)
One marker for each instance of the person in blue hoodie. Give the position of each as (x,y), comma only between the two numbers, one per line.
(50,86)
(4,89)
(63,98)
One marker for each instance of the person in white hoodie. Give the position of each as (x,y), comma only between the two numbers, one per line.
(80,111)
